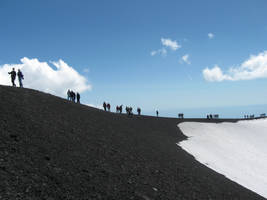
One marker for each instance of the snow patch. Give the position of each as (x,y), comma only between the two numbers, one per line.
(236,150)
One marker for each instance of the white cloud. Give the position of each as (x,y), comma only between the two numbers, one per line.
(210,35)
(253,68)
(162,52)
(214,74)
(41,76)
(172,44)
(166,43)
(185,59)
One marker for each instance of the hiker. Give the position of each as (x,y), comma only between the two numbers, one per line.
(129,110)
(108,107)
(117,109)
(105,106)
(73,96)
(210,116)
(78,97)
(21,77)
(13,76)
(68,94)
(139,111)
(157,112)
(181,115)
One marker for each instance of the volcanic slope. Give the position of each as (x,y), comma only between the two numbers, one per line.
(51,148)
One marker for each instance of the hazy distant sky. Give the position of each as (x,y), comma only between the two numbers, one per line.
(166,55)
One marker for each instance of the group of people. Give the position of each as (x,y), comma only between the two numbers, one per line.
(210,116)
(249,116)
(106,106)
(119,109)
(128,109)
(13,75)
(71,96)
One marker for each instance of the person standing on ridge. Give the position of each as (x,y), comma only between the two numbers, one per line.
(13,76)
(78,97)
(139,111)
(105,106)
(157,112)
(108,107)
(74,97)
(21,77)
(68,94)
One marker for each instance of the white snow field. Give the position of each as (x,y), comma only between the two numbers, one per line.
(236,150)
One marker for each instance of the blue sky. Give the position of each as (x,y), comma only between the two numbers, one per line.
(110,43)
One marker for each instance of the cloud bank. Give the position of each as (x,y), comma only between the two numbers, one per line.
(167,43)
(253,68)
(55,79)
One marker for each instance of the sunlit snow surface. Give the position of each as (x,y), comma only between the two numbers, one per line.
(236,150)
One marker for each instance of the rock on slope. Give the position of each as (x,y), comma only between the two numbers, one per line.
(54,149)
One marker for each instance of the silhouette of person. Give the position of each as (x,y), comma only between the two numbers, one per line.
(105,106)
(21,77)
(78,97)
(74,96)
(130,111)
(139,111)
(108,107)
(157,112)
(13,76)
(68,94)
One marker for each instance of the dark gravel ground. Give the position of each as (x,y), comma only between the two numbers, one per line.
(54,149)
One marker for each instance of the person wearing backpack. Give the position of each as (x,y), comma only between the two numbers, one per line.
(78,97)
(21,77)
(13,76)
